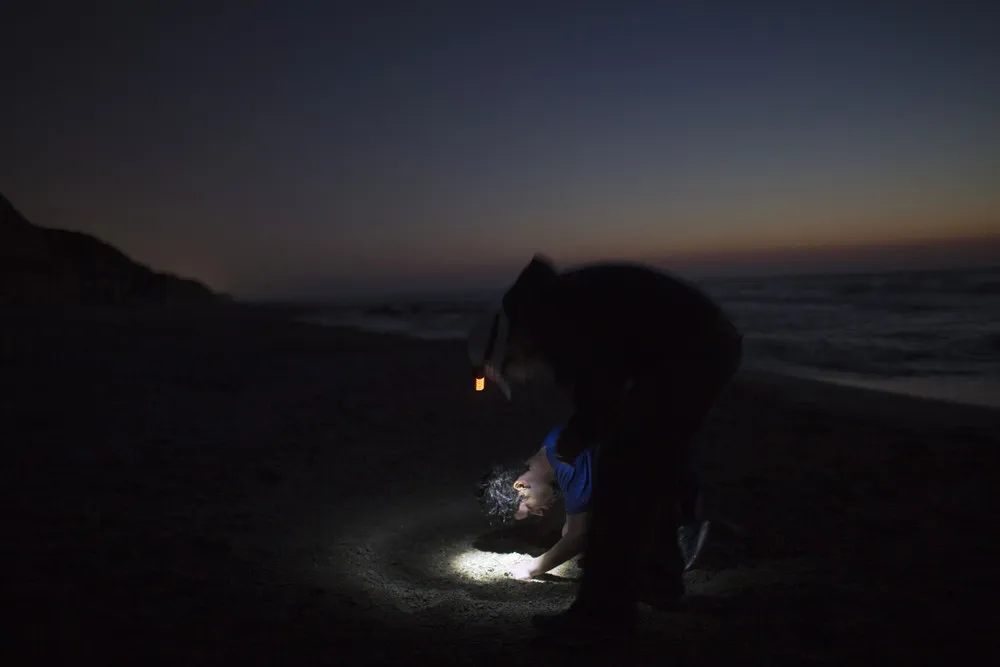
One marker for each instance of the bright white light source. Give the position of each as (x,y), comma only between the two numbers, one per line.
(487,566)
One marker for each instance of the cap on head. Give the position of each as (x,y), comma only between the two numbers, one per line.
(487,348)
(488,339)
(528,295)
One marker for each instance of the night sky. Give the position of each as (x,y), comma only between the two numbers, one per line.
(312,149)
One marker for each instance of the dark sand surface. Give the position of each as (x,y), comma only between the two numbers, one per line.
(229,487)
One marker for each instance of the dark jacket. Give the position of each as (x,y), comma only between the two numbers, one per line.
(602,325)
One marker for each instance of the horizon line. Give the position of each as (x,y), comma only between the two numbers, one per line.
(410,295)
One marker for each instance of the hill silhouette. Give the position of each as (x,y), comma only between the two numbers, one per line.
(40,265)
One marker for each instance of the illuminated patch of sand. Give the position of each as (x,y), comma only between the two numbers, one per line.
(486,566)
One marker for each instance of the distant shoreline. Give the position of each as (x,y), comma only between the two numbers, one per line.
(949,391)
(965,393)
(487,294)
(974,392)
(977,392)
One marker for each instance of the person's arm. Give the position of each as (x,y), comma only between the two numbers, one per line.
(597,402)
(571,543)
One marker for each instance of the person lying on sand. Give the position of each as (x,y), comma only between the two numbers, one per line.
(535,489)
(645,356)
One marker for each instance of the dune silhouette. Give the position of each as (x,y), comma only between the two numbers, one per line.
(41,265)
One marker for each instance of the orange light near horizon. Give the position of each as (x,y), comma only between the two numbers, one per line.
(480,384)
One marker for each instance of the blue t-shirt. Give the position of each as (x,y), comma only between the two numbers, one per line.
(574,481)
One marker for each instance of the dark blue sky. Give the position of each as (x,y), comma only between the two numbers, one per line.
(316,148)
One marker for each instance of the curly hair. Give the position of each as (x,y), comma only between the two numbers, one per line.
(497,495)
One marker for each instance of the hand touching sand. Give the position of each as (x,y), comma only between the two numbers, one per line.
(527,569)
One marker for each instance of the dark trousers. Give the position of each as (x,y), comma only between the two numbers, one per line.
(638,478)
(687,511)
(689,493)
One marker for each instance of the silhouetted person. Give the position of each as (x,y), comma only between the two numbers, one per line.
(645,356)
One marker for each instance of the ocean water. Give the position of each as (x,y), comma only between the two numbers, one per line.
(931,333)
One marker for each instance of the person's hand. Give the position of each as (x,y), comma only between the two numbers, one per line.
(525,570)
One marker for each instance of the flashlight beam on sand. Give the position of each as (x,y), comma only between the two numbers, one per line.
(488,566)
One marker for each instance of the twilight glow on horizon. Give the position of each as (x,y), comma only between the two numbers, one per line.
(301,149)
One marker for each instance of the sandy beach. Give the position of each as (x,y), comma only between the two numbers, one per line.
(228,486)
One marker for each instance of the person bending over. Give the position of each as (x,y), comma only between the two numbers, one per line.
(535,490)
(644,356)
